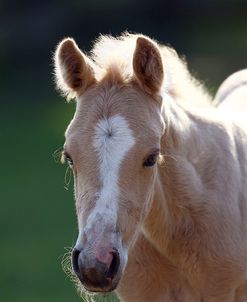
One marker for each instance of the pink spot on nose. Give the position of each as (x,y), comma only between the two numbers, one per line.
(103,255)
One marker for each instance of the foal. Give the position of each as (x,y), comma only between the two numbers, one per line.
(160,175)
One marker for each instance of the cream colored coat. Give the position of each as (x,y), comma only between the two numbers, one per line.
(186,240)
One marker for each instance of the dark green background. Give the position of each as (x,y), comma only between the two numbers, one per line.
(37,218)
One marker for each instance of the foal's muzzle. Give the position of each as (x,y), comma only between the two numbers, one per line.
(97,274)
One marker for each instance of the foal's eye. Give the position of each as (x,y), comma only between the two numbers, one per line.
(66,158)
(150,160)
(69,161)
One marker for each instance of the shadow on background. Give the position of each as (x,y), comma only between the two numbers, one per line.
(37,218)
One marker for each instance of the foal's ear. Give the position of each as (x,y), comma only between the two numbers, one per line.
(73,70)
(148,65)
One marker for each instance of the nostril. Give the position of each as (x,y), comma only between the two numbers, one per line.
(114,266)
(75,264)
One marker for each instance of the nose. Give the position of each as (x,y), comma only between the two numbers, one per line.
(96,273)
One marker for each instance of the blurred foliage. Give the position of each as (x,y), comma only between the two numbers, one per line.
(37,218)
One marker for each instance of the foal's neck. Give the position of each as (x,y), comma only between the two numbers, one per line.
(186,181)
(188,149)
(188,129)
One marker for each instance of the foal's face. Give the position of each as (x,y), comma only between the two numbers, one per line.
(112,144)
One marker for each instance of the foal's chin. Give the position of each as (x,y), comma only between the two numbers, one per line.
(101,288)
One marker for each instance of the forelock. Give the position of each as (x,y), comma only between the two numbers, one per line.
(113,56)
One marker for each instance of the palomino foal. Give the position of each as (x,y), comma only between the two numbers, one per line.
(160,175)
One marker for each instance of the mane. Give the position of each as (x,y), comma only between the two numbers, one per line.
(113,56)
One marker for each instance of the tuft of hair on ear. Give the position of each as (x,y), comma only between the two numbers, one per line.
(148,65)
(73,70)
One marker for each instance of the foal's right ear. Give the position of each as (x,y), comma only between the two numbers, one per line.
(73,70)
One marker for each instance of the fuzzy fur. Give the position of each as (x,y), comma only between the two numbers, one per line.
(184,221)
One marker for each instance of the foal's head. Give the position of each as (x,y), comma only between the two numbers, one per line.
(112,145)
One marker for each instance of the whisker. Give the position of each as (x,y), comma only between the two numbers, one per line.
(57,154)
(67,178)
(67,268)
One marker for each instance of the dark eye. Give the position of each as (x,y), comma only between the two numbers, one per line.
(150,160)
(66,158)
(69,161)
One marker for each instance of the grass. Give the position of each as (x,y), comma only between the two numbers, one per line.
(37,217)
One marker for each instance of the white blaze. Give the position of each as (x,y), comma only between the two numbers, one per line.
(112,140)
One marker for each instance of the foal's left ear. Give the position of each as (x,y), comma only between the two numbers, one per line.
(148,65)
(73,70)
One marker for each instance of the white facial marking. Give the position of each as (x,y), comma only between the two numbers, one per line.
(112,140)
